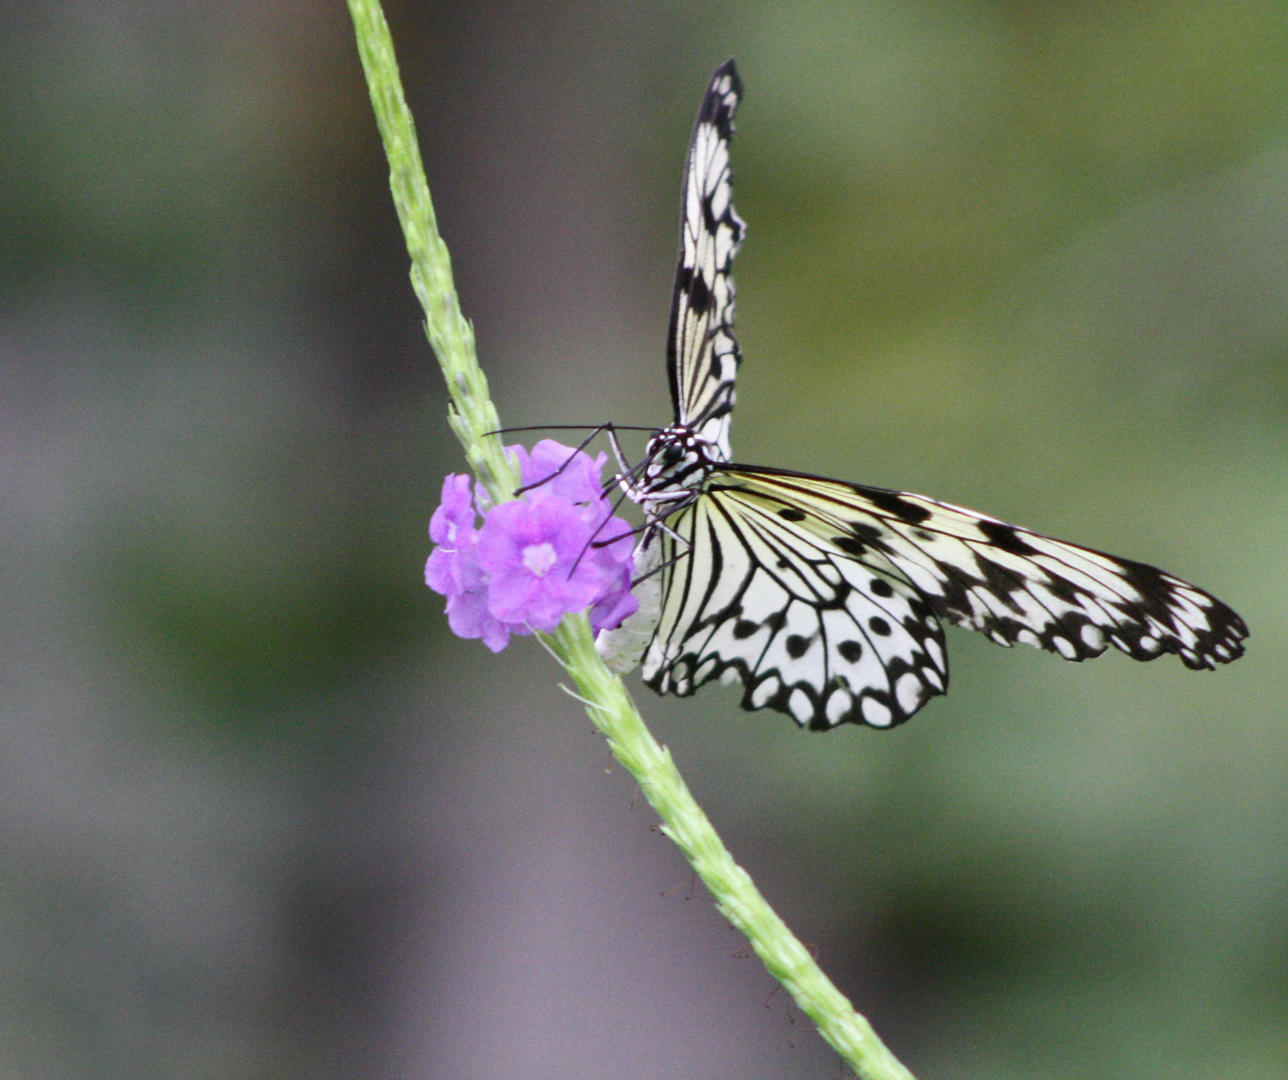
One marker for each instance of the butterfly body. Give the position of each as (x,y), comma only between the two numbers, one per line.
(826,599)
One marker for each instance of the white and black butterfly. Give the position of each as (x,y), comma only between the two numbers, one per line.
(825,598)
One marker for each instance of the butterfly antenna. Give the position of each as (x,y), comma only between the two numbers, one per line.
(596,428)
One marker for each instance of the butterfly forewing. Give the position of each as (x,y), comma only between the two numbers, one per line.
(1006,582)
(702,352)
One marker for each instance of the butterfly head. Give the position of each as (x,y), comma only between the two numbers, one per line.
(679,461)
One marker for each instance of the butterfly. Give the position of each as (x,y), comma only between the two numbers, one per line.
(827,599)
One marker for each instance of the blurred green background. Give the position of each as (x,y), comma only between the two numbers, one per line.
(262,816)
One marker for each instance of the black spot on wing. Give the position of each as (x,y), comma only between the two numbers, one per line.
(1005,537)
(850,651)
(797,646)
(790,513)
(895,504)
(1147,580)
(700,298)
(1002,582)
(868,533)
(955,582)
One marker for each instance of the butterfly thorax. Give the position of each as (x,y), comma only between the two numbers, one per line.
(678,462)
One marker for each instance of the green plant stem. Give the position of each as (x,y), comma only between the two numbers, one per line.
(472,417)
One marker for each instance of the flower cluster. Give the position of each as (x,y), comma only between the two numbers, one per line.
(555,550)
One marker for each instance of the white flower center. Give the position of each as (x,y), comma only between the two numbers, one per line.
(539,558)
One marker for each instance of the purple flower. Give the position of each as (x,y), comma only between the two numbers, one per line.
(567,472)
(451,567)
(468,616)
(536,553)
(613,551)
(576,476)
(617,604)
(556,550)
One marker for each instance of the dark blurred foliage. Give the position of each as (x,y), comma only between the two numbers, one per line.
(264,817)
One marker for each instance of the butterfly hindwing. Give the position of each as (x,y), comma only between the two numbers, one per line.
(702,352)
(805,627)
